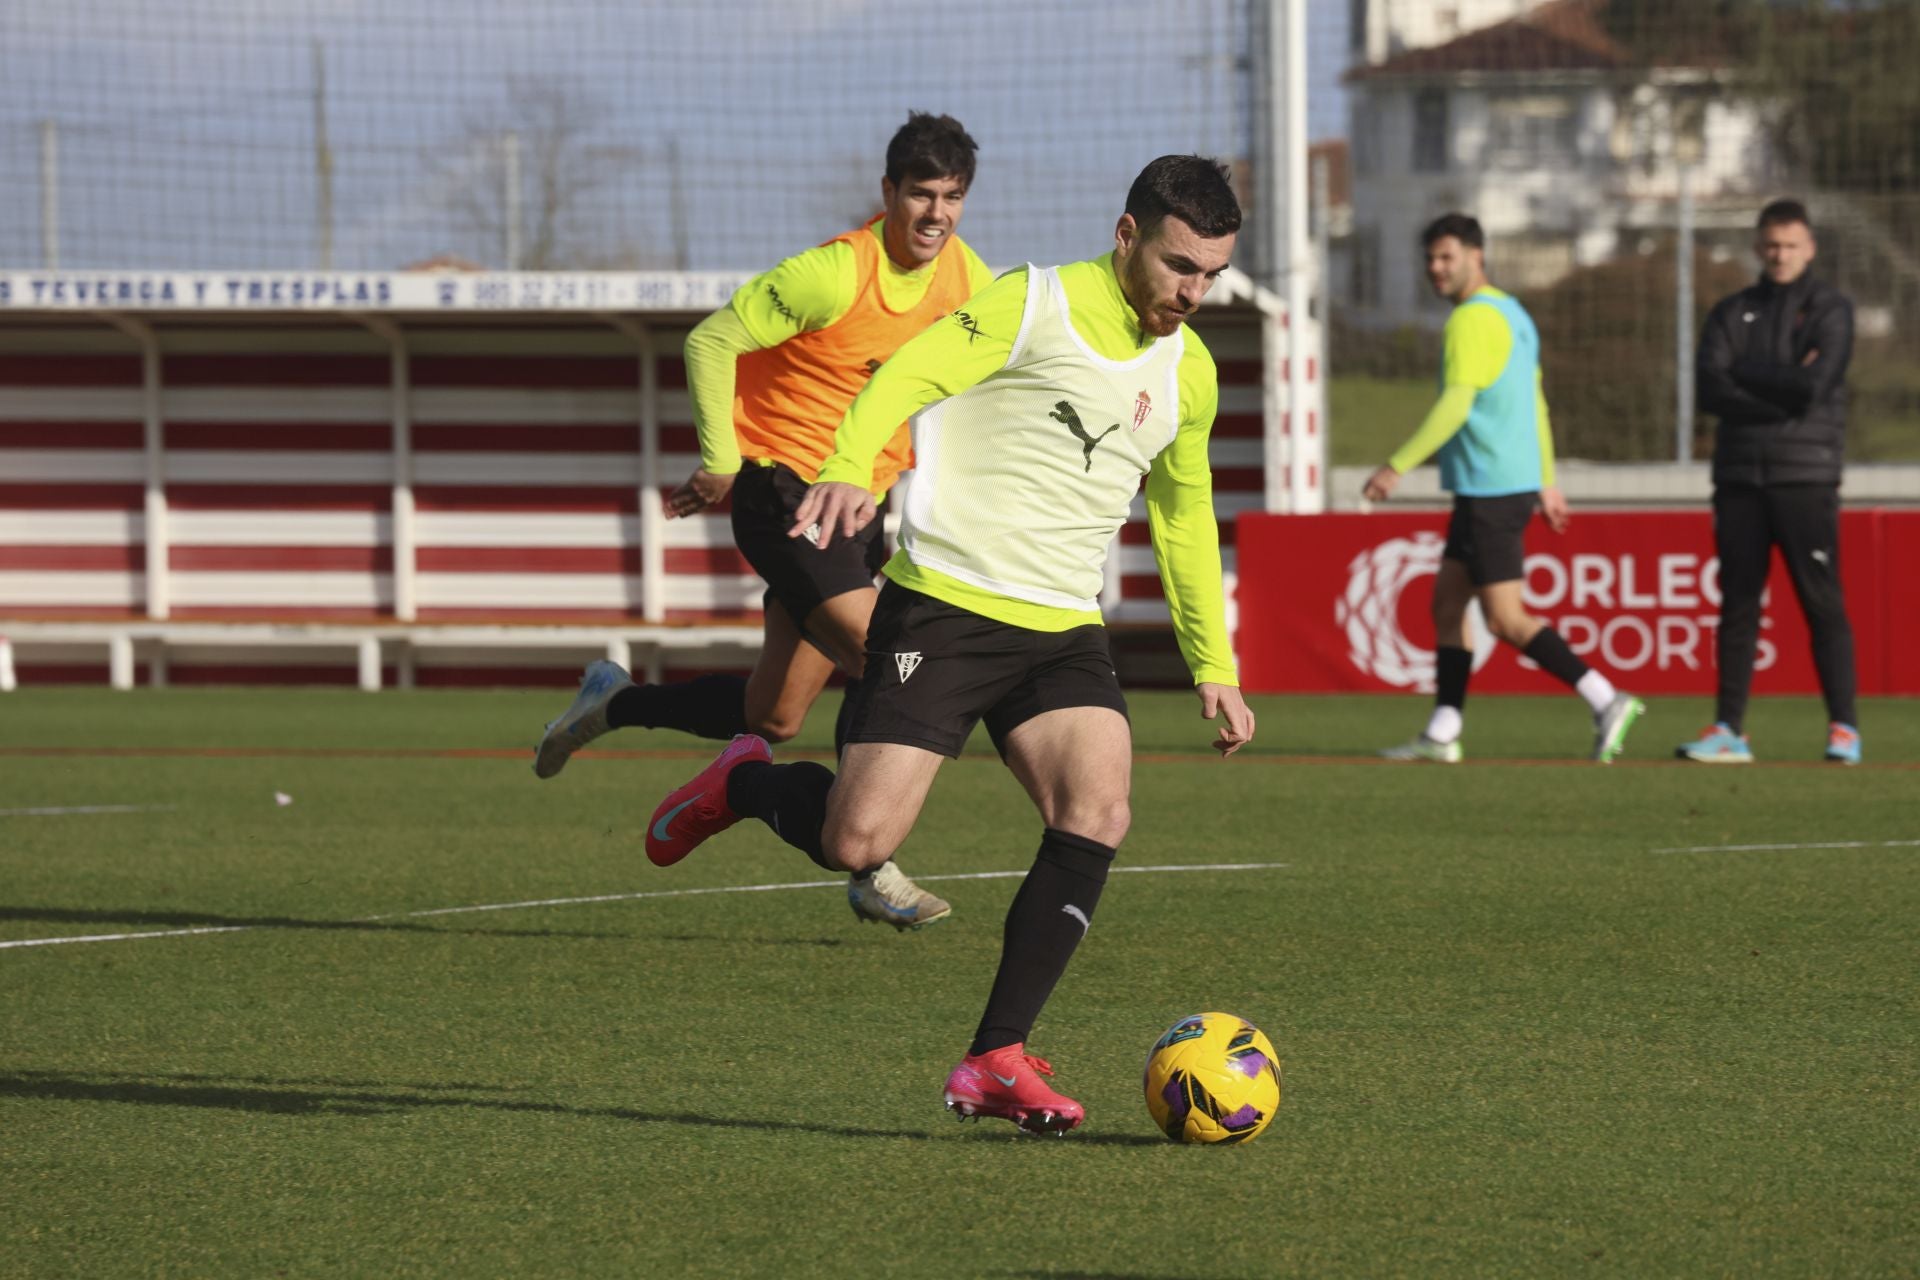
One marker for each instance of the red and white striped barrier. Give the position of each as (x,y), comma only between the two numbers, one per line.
(360,469)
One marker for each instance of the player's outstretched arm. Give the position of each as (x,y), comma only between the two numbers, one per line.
(835,508)
(1218,700)
(1442,423)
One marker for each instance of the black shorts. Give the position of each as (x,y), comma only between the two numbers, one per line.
(934,670)
(798,574)
(1489,536)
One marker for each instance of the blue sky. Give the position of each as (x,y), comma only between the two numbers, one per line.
(718,133)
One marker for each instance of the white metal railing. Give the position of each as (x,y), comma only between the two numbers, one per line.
(373,644)
(1638,484)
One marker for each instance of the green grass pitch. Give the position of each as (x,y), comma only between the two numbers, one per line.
(1520,1038)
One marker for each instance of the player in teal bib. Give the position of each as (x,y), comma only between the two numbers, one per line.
(1502,448)
(1494,443)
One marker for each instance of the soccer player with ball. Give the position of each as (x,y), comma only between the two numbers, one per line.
(1041,406)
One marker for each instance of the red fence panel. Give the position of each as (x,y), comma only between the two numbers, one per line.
(1340,603)
(1898,591)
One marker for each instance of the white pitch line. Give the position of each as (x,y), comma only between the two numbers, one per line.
(602,897)
(62,811)
(768,888)
(1781,848)
(125,937)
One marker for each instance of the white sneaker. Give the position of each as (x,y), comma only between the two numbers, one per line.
(1425,748)
(889,897)
(582,722)
(1610,726)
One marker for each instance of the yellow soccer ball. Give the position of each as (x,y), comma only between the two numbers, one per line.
(1212,1077)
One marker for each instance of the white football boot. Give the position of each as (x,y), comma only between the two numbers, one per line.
(582,722)
(1610,726)
(889,897)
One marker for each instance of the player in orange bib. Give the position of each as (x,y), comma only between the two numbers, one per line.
(771,375)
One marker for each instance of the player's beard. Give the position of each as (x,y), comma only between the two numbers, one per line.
(1161,317)
(1165,317)
(1162,322)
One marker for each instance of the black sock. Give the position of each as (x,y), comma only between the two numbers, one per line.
(1049,916)
(712,706)
(790,798)
(844,721)
(1554,657)
(1451,668)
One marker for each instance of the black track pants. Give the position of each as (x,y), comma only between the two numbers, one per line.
(1804,522)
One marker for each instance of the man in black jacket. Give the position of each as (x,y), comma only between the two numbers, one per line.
(1772,365)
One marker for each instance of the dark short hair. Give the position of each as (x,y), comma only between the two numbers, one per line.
(1461,226)
(1193,189)
(930,146)
(1782,212)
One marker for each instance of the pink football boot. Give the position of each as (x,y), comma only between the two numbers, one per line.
(1006,1083)
(700,809)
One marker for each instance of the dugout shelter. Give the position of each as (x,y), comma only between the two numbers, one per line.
(421,478)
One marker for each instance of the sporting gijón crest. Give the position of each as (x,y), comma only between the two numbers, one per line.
(1142,406)
(906,663)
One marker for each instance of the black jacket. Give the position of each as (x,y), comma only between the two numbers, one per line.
(1782,408)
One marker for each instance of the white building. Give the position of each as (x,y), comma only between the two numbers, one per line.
(1381,29)
(1547,130)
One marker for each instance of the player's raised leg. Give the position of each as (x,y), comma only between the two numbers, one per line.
(707,706)
(1614,712)
(850,828)
(701,808)
(584,719)
(771,702)
(1076,763)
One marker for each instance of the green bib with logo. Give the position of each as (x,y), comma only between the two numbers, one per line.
(1022,481)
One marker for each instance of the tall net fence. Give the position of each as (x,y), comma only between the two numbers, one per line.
(1617,154)
(581,134)
(1605,144)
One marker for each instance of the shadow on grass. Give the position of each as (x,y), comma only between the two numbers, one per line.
(321,1082)
(213,920)
(344,1098)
